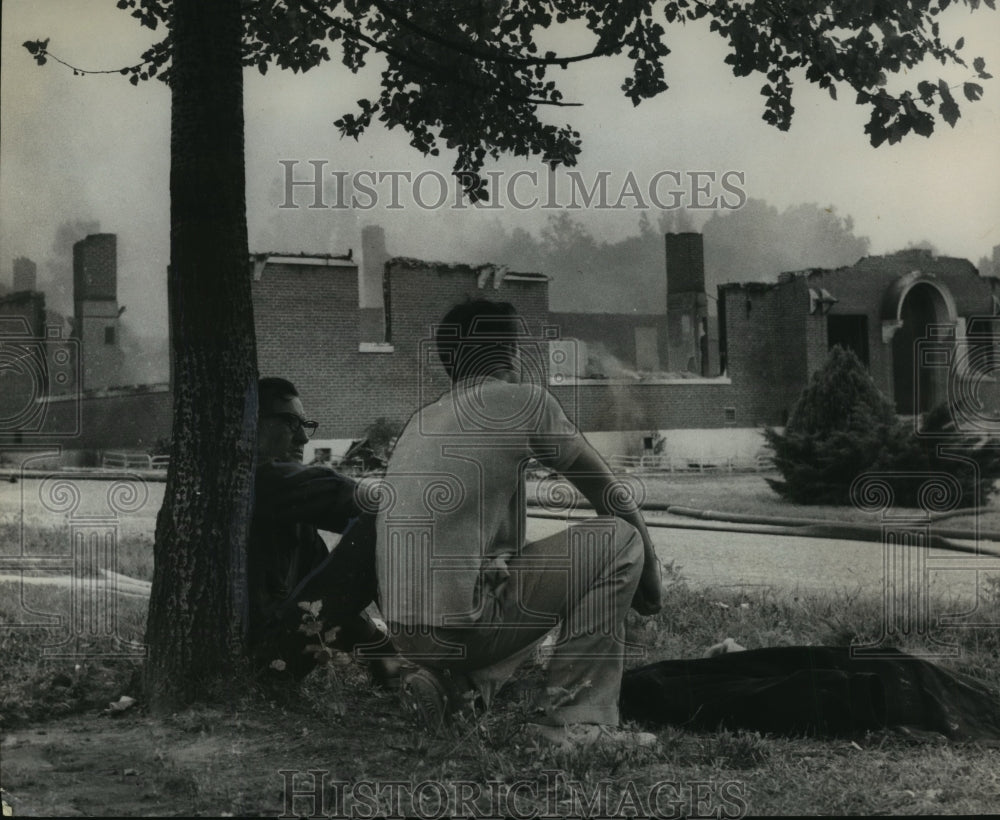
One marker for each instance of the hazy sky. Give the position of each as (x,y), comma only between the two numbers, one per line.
(95,149)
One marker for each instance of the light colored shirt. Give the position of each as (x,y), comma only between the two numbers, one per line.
(452,508)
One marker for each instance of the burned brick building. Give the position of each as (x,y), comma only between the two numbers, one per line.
(356,338)
(678,338)
(925,327)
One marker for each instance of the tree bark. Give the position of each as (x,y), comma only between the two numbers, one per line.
(195,627)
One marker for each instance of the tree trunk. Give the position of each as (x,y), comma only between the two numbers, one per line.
(195,628)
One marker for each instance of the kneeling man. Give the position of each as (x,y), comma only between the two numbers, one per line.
(463,591)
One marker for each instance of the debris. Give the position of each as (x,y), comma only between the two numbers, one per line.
(726,646)
(123,703)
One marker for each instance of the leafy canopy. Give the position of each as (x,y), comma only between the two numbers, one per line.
(471,75)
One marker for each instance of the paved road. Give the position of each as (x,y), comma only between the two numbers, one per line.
(703,556)
(712,557)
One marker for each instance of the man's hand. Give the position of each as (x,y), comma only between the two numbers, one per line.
(648,599)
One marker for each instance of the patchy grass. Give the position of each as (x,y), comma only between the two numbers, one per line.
(62,754)
(132,555)
(749,494)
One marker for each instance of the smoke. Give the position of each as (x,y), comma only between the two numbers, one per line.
(757,242)
(57,281)
(754,243)
(145,359)
(600,363)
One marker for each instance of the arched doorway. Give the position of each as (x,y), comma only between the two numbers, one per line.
(919,386)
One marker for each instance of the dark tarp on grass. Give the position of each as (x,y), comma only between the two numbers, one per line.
(812,690)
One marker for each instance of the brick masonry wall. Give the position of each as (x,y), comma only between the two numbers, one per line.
(344,389)
(766,332)
(682,404)
(615,331)
(95,267)
(23,366)
(123,421)
(306,319)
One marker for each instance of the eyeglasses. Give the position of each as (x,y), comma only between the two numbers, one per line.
(295,423)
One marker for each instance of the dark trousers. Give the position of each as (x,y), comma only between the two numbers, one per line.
(345,584)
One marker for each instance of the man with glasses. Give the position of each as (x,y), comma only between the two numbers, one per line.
(287,559)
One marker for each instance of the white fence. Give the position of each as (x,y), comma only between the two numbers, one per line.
(651,463)
(128,461)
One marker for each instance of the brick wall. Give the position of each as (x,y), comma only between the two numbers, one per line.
(307,322)
(306,319)
(766,331)
(614,331)
(23,365)
(634,406)
(308,330)
(95,267)
(113,420)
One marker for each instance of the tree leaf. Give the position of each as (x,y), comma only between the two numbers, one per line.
(972,91)
(949,108)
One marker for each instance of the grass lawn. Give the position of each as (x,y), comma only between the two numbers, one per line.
(63,752)
(748,493)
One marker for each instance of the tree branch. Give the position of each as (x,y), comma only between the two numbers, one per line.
(446,77)
(492,56)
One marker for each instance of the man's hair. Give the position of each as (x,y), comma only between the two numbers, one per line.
(271,390)
(478,337)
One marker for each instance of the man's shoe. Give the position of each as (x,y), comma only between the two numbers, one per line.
(424,696)
(583,735)
(387,673)
(435,698)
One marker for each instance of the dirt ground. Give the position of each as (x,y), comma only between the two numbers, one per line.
(201,762)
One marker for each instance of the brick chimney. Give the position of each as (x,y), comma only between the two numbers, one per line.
(687,304)
(95,308)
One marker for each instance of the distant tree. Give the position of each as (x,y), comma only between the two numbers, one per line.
(758,241)
(922,245)
(468,76)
